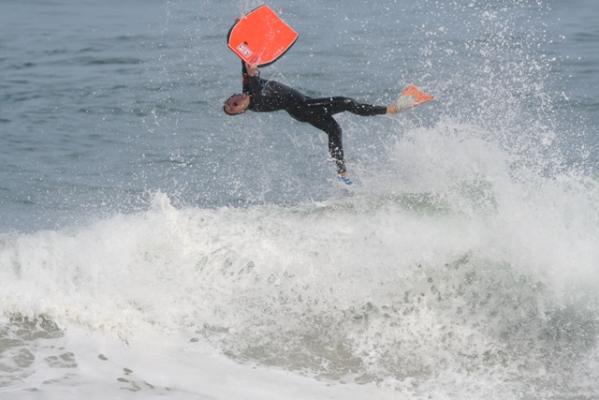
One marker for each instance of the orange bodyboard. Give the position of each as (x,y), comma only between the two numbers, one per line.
(261,37)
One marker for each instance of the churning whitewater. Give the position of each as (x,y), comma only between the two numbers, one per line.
(460,276)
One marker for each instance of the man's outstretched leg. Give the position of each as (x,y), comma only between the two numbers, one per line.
(335,105)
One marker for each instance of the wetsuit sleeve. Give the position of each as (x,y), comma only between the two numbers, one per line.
(251,84)
(254,86)
(245,79)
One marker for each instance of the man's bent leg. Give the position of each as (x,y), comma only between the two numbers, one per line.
(333,130)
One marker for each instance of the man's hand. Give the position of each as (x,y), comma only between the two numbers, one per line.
(251,69)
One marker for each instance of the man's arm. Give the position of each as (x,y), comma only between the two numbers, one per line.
(245,79)
(251,80)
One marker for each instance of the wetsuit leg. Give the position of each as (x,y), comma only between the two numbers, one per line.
(337,104)
(328,124)
(319,113)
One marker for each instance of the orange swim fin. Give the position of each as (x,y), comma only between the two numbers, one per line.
(418,97)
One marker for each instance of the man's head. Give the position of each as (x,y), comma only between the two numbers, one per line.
(236,104)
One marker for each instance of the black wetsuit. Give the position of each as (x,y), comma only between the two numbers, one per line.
(268,96)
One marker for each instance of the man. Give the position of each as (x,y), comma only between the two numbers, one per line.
(264,96)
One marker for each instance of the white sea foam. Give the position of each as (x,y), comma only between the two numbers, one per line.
(457,266)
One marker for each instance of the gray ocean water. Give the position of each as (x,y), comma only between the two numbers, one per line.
(103,103)
(465,265)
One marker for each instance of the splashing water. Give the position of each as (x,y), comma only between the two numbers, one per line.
(464,264)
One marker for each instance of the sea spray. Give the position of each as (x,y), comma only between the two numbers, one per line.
(396,288)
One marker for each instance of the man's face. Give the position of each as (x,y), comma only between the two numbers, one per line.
(237,104)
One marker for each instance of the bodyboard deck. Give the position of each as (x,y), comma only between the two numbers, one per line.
(261,37)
